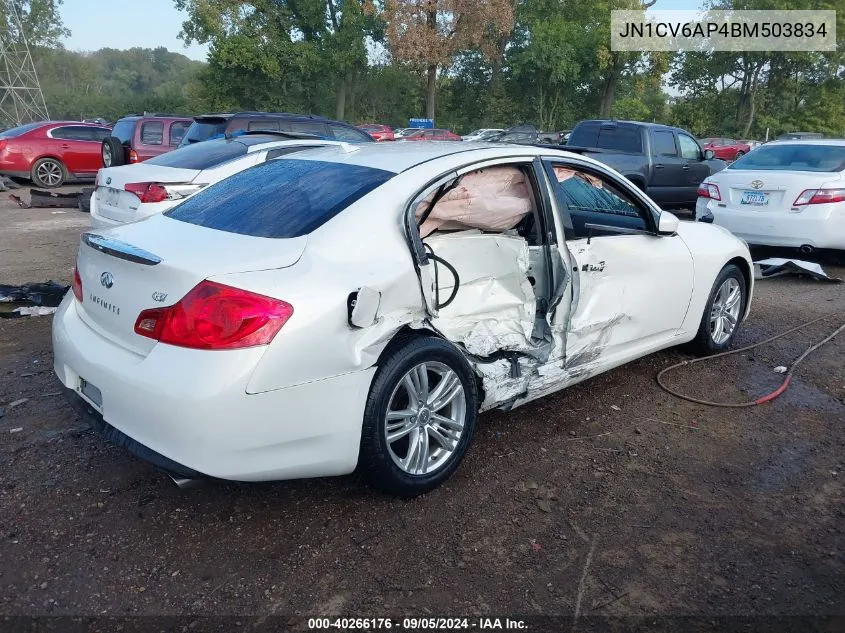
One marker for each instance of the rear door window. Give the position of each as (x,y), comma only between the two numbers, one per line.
(203,130)
(152,132)
(308,127)
(124,130)
(69,133)
(177,131)
(343,133)
(280,198)
(663,143)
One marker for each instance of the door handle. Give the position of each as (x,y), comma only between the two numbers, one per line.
(686,167)
(65,145)
(658,166)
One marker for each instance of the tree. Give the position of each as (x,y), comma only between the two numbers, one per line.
(40,20)
(429,33)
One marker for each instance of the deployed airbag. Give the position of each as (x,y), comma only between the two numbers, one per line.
(491,199)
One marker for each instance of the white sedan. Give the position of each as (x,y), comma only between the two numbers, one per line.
(359,306)
(133,192)
(785,193)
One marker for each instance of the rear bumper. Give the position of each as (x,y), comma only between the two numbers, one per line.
(97,220)
(191,408)
(820,227)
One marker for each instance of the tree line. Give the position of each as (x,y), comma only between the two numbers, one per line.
(465,63)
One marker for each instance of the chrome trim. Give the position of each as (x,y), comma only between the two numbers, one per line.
(119,249)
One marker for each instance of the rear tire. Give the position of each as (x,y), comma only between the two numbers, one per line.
(49,173)
(739,155)
(419,418)
(722,313)
(113,152)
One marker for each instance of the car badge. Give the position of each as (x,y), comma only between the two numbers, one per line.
(757,184)
(159,296)
(107,280)
(108,180)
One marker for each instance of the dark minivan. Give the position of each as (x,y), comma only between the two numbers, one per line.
(214,125)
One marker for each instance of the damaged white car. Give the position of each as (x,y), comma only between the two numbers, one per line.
(359,306)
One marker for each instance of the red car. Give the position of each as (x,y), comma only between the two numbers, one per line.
(378,132)
(51,153)
(725,148)
(432,135)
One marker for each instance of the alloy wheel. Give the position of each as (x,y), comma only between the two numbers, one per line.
(425,418)
(724,315)
(49,173)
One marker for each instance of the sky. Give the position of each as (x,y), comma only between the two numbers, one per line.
(96,24)
(152,23)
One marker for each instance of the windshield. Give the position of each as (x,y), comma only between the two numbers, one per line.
(202,156)
(281,198)
(794,157)
(710,141)
(203,130)
(21,129)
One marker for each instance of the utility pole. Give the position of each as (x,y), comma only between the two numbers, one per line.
(21,98)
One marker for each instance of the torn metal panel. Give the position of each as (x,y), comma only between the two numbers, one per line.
(495,306)
(777,266)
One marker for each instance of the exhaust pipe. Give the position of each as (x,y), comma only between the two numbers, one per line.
(806,249)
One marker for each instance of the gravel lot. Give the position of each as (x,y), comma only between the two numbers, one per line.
(610,499)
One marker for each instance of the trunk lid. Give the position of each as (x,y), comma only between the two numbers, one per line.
(114,203)
(766,191)
(154,263)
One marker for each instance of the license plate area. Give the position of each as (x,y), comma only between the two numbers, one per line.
(109,196)
(755,198)
(91,393)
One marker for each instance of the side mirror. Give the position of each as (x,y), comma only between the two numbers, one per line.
(668,223)
(708,154)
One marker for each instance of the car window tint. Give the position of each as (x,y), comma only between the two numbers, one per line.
(70,133)
(203,130)
(200,155)
(663,143)
(280,198)
(689,148)
(621,138)
(263,124)
(585,135)
(306,127)
(21,129)
(591,200)
(152,132)
(124,130)
(276,152)
(793,157)
(97,133)
(343,133)
(177,131)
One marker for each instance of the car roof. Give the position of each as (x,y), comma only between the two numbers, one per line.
(656,126)
(268,115)
(809,141)
(398,157)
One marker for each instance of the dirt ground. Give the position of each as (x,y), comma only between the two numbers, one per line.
(610,499)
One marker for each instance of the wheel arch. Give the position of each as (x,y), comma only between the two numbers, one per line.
(748,274)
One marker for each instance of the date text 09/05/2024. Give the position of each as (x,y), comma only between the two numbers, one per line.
(416,624)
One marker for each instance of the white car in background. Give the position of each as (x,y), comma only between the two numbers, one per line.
(360,305)
(784,193)
(482,135)
(133,192)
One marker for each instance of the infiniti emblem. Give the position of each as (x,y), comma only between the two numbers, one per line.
(107,279)
(757,184)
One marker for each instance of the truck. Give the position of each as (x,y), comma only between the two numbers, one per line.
(665,162)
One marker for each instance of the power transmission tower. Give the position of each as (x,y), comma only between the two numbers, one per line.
(21,99)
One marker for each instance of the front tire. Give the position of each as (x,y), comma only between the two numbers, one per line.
(419,418)
(722,312)
(49,173)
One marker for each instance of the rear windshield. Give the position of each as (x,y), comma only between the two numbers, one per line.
(202,156)
(794,157)
(124,130)
(21,129)
(202,131)
(281,198)
(620,138)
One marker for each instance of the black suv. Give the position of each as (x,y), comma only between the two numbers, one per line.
(211,125)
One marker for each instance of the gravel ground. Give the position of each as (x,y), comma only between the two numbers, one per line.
(610,499)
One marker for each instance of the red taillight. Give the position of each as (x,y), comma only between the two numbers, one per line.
(819,196)
(147,191)
(77,285)
(709,190)
(215,316)
(133,156)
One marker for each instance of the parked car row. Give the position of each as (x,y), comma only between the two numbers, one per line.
(306,308)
